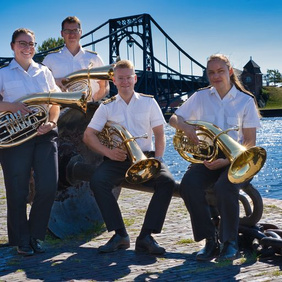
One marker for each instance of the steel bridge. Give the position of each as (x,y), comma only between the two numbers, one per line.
(163,68)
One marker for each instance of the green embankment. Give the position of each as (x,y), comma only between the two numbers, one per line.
(273,97)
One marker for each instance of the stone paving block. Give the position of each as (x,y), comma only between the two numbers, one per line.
(77,259)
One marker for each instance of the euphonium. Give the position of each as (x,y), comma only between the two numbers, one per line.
(142,169)
(245,163)
(78,80)
(16,128)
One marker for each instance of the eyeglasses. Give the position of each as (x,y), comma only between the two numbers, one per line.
(24,44)
(70,31)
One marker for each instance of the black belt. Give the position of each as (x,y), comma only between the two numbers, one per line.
(148,154)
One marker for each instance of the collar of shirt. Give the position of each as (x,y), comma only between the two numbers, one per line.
(134,96)
(65,50)
(231,94)
(15,65)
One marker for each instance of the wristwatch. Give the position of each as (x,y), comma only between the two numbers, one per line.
(160,159)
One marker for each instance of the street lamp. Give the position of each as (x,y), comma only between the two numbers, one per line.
(130,43)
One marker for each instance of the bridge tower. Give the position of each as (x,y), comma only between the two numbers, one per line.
(124,29)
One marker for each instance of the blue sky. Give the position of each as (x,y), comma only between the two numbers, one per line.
(239,29)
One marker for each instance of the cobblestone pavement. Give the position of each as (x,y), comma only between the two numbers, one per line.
(77,259)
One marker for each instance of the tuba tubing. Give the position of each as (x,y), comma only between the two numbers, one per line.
(244,163)
(76,100)
(142,168)
(79,79)
(16,128)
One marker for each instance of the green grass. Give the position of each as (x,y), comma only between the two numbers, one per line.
(185,241)
(273,97)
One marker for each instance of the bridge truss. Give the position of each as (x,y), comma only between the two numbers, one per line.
(159,75)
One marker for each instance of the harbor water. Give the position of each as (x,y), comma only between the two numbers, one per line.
(269,179)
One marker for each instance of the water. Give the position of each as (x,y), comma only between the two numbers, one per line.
(269,179)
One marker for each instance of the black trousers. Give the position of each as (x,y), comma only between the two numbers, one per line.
(41,155)
(192,189)
(110,174)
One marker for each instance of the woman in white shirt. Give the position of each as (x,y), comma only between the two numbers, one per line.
(21,77)
(226,104)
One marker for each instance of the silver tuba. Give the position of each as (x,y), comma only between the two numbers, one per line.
(142,169)
(16,128)
(245,163)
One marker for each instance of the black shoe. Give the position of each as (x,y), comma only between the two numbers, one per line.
(36,246)
(229,251)
(25,250)
(115,243)
(210,251)
(148,245)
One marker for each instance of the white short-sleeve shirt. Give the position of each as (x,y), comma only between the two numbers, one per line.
(15,82)
(235,109)
(62,63)
(140,116)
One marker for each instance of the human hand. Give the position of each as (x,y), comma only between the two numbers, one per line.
(216,164)
(18,106)
(190,132)
(45,127)
(61,81)
(117,154)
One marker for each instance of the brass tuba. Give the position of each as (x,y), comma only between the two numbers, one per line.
(79,80)
(245,163)
(16,128)
(142,169)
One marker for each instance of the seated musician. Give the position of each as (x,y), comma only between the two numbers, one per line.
(139,114)
(225,104)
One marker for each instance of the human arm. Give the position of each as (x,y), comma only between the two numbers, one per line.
(104,89)
(14,107)
(249,135)
(179,123)
(91,140)
(51,122)
(159,140)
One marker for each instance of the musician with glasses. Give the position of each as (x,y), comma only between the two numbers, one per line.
(225,104)
(139,114)
(21,77)
(72,57)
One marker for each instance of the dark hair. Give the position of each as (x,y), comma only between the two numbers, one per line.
(71,20)
(233,77)
(19,31)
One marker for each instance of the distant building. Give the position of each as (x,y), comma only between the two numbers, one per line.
(251,78)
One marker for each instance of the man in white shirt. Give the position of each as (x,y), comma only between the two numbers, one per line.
(139,114)
(72,57)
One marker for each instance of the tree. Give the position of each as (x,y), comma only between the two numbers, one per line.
(274,76)
(50,43)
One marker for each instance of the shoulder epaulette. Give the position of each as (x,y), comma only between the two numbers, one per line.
(40,63)
(203,88)
(5,65)
(93,52)
(146,95)
(109,100)
(55,51)
(248,93)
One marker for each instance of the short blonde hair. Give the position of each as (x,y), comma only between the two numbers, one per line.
(124,64)
(72,19)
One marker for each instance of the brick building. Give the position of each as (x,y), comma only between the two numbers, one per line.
(251,78)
